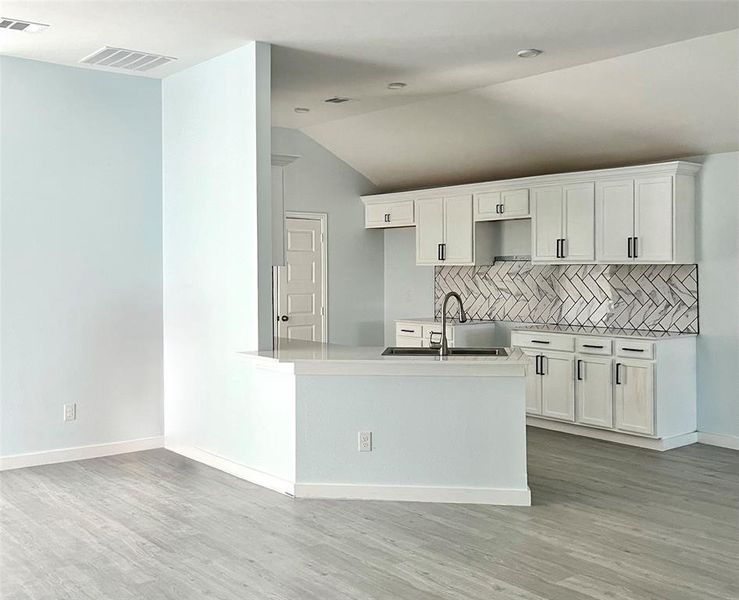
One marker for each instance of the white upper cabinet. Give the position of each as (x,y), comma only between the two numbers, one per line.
(390,213)
(507,204)
(562,223)
(646,219)
(642,214)
(445,231)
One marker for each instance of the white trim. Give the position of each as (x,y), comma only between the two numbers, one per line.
(412,493)
(272,482)
(50,457)
(323,218)
(719,439)
(666,168)
(660,444)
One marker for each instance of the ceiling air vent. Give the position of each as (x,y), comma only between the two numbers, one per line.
(130,60)
(18,25)
(337,100)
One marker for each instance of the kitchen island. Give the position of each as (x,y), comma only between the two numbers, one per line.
(441,430)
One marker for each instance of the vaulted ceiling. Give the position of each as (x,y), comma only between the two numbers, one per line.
(618,81)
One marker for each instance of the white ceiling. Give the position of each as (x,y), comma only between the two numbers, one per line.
(471,108)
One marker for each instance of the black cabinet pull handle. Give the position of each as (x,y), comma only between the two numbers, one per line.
(284,318)
(438,252)
(558,248)
(538,364)
(543,372)
(592,346)
(562,248)
(633,349)
(618,373)
(501,208)
(539,342)
(408,330)
(443,252)
(629,251)
(636,247)
(579,373)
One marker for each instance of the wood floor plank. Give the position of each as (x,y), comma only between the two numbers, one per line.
(608,522)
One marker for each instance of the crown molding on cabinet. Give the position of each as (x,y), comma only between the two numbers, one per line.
(676,167)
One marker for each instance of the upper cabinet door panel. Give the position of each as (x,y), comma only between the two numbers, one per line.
(389,214)
(614,225)
(546,227)
(578,215)
(375,215)
(515,204)
(653,219)
(429,230)
(458,230)
(487,206)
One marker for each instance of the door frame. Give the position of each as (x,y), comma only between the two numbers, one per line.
(309,216)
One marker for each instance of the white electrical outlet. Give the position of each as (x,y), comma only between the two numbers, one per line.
(365,441)
(70,412)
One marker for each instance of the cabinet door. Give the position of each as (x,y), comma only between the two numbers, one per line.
(407,341)
(653,222)
(401,214)
(486,206)
(374,215)
(429,230)
(515,204)
(533,385)
(458,231)
(614,225)
(578,219)
(546,227)
(557,389)
(634,396)
(594,391)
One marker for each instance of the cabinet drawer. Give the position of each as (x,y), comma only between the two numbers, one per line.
(407,341)
(408,330)
(635,349)
(436,330)
(594,345)
(389,214)
(543,341)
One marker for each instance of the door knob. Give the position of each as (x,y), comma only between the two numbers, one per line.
(284,317)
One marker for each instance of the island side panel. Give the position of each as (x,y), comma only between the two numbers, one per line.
(450,439)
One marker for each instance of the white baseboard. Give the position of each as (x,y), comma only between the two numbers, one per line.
(49,457)
(226,465)
(719,439)
(660,444)
(411,493)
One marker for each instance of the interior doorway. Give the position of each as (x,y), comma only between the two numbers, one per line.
(301,286)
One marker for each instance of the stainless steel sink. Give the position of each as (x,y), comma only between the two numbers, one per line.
(397,351)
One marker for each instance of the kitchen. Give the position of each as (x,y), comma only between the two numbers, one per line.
(391,304)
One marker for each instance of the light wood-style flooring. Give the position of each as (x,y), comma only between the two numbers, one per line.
(608,522)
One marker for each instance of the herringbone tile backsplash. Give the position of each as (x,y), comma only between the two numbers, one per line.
(654,297)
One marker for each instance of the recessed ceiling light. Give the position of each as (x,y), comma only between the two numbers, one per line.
(337,99)
(301,109)
(130,60)
(24,26)
(528,53)
(396,85)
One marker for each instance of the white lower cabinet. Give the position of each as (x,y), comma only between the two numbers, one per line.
(594,391)
(557,386)
(634,392)
(624,387)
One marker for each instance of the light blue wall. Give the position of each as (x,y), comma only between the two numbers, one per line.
(81,267)
(319,182)
(213,114)
(718,289)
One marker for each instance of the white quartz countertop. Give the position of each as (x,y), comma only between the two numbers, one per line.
(318,358)
(604,331)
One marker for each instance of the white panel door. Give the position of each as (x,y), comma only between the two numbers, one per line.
(594,391)
(653,219)
(634,396)
(614,225)
(547,222)
(429,230)
(515,204)
(487,206)
(300,285)
(533,385)
(458,231)
(578,218)
(557,386)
